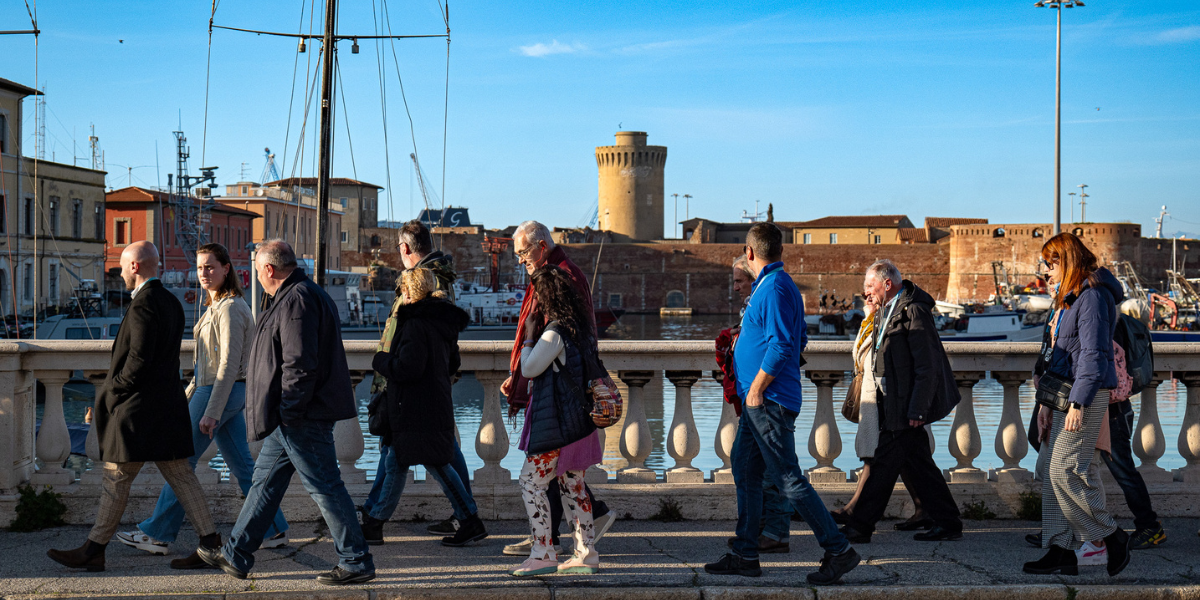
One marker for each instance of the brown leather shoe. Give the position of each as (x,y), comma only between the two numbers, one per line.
(193,561)
(89,556)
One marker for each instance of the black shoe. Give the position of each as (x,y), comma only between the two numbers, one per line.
(1150,537)
(1034,539)
(833,566)
(938,534)
(89,556)
(340,576)
(855,536)
(911,525)
(840,517)
(1057,560)
(372,529)
(192,561)
(446,527)
(471,530)
(766,545)
(216,558)
(1119,544)
(732,564)
(362,512)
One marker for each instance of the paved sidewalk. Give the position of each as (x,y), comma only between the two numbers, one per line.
(634,554)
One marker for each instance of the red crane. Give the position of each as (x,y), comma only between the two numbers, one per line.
(495,246)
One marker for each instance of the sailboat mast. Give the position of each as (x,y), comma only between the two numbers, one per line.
(329,48)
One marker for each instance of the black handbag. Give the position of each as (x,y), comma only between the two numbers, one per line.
(376,421)
(1054,392)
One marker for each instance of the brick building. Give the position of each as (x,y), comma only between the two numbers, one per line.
(289,215)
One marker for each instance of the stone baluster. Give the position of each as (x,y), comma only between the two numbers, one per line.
(726,433)
(348,440)
(204,472)
(683,440)
(53,441)
(824,442)
(1149,443)
(95,474)
(1189,432)
(491,442)
(965,443)
(635,436)
(1012,442)
(596,474)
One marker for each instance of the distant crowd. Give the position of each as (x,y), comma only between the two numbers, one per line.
(281,377)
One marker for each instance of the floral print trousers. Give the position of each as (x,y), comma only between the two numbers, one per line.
(536,474)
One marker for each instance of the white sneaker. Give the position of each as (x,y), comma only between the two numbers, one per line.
(601,525)
(1089,555)
(278,540)
(525,546)
(141,541)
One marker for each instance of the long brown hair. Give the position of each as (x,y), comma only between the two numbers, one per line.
(1076,264)
(232,286)
(558,300)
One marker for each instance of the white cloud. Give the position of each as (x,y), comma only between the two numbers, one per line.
(539,49)
(1182,34)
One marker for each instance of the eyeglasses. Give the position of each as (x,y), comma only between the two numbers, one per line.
(1045,265)
(526,252)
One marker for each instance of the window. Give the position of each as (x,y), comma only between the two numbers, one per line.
(343,203)
(4,134)
(121,232)
(83,333)
(999,232)
(29,216)
(54,204)
(876,239)
(98,221)
(676,299)
(27,282)
(3,215)
(77,218)
(833,238)
(52,282)
(614,301)
(245,190)
(808,238)
(345,236)
(375,241)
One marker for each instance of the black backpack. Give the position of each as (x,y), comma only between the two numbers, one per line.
(1134,338)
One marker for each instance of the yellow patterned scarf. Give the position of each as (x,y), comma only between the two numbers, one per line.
(865,333)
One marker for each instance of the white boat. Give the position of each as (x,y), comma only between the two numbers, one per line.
(489,310)
(61,327)
(997,327)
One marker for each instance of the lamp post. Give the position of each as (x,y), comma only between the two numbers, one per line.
(687,206)
(1058,5)
(1082,202)
(1072,194)
(673,230)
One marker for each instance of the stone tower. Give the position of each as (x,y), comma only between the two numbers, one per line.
(631,187)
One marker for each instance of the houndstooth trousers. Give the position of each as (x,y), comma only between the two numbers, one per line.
(1073,508)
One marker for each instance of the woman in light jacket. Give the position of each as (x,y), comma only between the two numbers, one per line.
(546,437)
(217,395)
(1080,352)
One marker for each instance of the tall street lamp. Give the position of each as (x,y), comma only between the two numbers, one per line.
(1058,5)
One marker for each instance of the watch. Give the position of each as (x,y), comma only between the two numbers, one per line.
(1076,406)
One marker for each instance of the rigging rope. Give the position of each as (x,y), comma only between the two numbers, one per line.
(446,107)
(207,74)
(379,68)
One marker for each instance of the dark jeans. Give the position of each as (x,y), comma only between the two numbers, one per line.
(907,449)
(306,449)
(599,508)
(1120,464)
(766,446)
(390,478)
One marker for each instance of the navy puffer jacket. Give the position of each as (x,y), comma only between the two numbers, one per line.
(1083,352)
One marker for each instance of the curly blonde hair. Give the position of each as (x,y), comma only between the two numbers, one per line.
(419,283)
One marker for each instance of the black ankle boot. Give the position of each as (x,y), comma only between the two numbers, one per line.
(89,556)
(211,541)
(469,530)
(1118,543)
(1057,560)
(372,529)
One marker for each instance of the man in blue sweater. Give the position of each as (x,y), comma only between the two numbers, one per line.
(767,362)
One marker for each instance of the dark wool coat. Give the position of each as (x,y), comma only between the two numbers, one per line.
(297,369)
(918,381)
(424,356)
(142,412)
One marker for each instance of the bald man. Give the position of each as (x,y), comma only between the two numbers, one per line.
(142,413)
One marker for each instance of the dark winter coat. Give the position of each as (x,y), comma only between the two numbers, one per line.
(918,382)
(550,426)
(142,413)
(419,408)
(1083,351)
(297,369)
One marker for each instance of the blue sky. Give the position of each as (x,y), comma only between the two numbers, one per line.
(937,109)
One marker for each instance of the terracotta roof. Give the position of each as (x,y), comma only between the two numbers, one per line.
(948,221)
(13,86)
(880,221)
(312,182)
(137,194)
(915,235)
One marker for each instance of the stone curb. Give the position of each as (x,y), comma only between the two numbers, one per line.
(1025,592)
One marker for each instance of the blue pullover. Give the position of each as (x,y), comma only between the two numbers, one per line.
(773,336)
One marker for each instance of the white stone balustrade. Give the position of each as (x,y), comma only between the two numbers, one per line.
(636,444)
(491,441)
(726,432)
(53,440)
(1012,442)
(824,441)
(1149,443)
(1189,433)
(965,443)
(683,441)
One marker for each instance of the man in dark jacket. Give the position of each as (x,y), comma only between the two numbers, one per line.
(297,387)
(415,246)
(142,412)
(917,387)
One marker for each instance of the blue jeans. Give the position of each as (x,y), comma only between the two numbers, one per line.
(306,449)
(776,514)
(230,436)
(1120,464)
(766,446)
(391,477)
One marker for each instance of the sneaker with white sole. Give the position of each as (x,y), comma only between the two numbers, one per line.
(1089,555)
(141,541)
(601,525)
(523,548)
(278,540)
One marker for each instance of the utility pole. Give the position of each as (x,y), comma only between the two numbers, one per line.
(674,226)
(1072,194)
(329,48)
(687,206)
(1082,202)
(1058,5)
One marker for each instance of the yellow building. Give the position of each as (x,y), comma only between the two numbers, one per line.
(870,229)
(289,215)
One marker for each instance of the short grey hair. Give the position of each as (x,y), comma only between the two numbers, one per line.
(884,269)
(277,253)
(741,263)
(534,232)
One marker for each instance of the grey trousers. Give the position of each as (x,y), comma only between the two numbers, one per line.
(118,477)
(1073,508)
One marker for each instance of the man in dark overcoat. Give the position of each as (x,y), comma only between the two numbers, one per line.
(141,414)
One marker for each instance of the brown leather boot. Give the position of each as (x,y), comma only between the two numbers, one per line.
(89,556)
(193,561)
